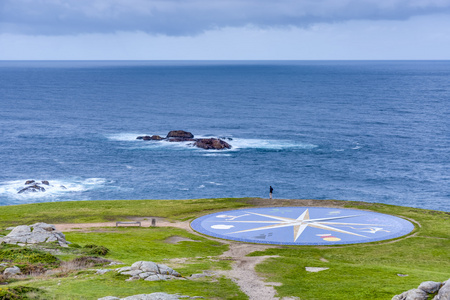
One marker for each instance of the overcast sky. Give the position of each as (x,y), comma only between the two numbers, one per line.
(224,29)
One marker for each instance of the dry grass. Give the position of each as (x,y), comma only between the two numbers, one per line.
(77,264)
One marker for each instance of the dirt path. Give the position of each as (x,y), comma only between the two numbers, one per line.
(243,271)
(243,268)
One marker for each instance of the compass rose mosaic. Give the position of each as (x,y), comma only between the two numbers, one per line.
(302,226)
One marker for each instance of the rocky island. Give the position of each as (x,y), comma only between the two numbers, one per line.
(185,136)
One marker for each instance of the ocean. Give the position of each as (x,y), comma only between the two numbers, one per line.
(373,131)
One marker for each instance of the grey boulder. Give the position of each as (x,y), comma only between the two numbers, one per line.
(35,234)
(12,271)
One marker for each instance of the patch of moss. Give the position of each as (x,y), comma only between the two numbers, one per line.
(20,292)
(27,255)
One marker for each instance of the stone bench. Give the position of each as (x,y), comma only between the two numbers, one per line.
(137,223)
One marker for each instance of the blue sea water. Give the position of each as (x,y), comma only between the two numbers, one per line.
(374,131)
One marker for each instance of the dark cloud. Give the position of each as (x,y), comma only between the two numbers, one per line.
(188,17)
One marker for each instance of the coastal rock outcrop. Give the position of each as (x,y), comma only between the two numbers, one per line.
(34,234)
(425,289)
(180,134)
(148,270)
(33,186)
(185,136)
(212,143)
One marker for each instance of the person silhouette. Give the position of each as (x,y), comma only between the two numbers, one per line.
(270,192)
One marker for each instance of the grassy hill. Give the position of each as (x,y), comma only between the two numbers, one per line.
(360,271)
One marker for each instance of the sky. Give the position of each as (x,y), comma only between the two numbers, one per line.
(224,29)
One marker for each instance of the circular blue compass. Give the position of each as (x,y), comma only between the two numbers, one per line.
(302,226)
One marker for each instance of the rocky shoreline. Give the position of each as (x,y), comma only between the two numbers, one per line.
(185,136)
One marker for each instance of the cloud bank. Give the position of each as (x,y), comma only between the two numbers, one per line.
(191,17)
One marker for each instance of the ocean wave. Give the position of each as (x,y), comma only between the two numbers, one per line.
(55,189)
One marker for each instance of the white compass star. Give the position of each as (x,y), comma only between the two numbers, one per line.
(300,224)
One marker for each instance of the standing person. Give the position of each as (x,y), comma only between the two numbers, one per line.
(270,192)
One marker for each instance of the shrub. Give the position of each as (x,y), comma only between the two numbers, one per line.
(89,261)
(30,269)
(26,255)
(96,250)
(18,293)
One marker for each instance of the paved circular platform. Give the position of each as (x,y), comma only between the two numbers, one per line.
(302,226)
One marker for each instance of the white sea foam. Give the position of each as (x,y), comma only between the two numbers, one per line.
(125,136)
(239,143)
(55,188)
(236,144)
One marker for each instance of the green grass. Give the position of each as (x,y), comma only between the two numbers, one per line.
(358,272)
(96,286)
(129,245)
(111,210)
(361,271)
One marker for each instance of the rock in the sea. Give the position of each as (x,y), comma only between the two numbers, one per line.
(32,188)
(34,234)
(150,138)
(144,137)
(185,136)
(180,134)
(212,143)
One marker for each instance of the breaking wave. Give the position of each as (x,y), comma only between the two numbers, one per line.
(55,189)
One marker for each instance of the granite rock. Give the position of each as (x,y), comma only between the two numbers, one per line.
(148,270)
(34,234)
